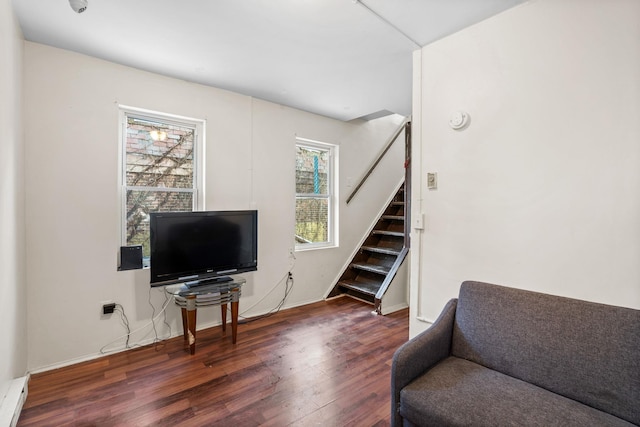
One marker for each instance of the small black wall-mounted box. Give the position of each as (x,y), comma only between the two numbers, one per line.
(130,257)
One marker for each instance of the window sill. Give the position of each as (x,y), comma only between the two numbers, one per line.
(314,247)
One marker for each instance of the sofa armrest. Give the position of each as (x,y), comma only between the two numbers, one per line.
(419,354)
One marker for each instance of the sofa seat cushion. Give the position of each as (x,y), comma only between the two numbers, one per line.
(458,392)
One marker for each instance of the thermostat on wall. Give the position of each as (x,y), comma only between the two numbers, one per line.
(458,120)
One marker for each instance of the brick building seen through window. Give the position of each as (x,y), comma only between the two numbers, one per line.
(160,171)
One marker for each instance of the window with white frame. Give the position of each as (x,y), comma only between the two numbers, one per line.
(316,166)
(161,169)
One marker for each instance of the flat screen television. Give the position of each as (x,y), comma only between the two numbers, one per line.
(196,248)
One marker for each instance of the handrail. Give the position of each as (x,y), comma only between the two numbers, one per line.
(300,239)
(380,156)
(407,183)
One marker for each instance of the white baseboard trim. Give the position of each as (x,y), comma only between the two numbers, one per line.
(11,405)
(94,356)
(393,308)
(149,341)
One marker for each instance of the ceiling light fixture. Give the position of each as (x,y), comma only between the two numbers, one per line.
(158,135)
(79,5)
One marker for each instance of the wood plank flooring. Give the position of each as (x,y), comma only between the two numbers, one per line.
(325,364)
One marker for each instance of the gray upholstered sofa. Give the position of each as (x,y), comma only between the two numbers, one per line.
(499,356)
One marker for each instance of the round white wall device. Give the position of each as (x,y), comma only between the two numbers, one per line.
(458,120)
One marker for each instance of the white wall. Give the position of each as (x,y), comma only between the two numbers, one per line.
(71,133)
(542,190)
(13,345)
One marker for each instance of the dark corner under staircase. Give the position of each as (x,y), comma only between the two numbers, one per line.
(375,264)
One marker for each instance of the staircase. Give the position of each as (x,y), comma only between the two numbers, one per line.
(374,266)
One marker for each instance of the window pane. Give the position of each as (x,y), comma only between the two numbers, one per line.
(312,170)
(141,203)
(159,154)
(312,220)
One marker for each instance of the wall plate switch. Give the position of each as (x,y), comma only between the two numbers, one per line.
(432,180)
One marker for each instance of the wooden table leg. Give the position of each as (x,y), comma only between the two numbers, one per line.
(191,322)
(185,330)
(234,320)
(223,310)
(234,317)
(235,302)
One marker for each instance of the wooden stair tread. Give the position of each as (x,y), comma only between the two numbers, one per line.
(393,217)
(381,250)
(389,233)
(373,268)
(367,288)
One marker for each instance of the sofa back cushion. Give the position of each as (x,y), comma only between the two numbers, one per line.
(585,351)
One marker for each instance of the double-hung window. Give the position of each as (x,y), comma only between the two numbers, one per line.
(316,216)
(161,169)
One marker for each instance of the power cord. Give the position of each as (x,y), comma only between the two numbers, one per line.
(125,322)
(164,311)
(156,339)
(153,314)
(288,280)
(288,287)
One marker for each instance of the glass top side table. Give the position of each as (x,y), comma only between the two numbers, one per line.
(215,293)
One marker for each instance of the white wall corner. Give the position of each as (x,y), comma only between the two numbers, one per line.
(415,310)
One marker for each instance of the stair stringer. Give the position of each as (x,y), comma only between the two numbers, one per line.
(397,294)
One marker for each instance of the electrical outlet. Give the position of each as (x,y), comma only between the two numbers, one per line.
(108,308)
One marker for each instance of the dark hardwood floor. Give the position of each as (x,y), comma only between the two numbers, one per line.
(325,364)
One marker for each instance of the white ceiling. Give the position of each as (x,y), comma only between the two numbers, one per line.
(332,57)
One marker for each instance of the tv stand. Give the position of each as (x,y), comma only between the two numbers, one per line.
(216,292)
(209,281)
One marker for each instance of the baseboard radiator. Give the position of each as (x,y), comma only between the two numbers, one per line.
(12,403)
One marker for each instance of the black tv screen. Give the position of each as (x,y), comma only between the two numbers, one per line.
(196,247)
